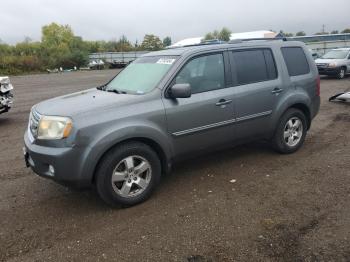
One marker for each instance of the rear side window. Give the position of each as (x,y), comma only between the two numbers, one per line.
(295,60)
(254,66)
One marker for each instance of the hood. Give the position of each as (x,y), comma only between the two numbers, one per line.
(327,61)
(83,102)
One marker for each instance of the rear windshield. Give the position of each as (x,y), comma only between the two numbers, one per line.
(142,75)
(295,60)
(335,54)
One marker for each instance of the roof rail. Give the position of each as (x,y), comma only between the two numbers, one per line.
(266,39)
(257,39)
(234,41)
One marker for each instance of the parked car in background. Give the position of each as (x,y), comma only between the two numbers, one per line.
(6,96)
(168,105)
(96,64)
(334,63)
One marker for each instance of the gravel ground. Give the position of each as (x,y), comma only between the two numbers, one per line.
(281,207)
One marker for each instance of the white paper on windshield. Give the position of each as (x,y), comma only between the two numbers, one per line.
(166,61)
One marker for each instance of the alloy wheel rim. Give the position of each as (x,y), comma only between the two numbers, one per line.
(131,176)
(293,131)
(342,73)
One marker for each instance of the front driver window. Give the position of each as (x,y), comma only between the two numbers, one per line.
(204,73)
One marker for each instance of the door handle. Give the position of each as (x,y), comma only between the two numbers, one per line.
(276,90)
(223,102)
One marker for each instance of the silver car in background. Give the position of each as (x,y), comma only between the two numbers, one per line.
(6,96)
(334,63)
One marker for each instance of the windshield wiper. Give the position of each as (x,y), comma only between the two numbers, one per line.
(102,88)
(116,91)
(113,91)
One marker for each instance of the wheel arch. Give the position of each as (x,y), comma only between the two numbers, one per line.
(164,159)
(305,109)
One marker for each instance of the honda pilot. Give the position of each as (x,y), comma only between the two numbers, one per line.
(168,105)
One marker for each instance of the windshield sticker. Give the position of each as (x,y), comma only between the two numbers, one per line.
(166,61)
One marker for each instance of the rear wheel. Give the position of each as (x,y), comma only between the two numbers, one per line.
(128,174)
(342,73)
(291,132)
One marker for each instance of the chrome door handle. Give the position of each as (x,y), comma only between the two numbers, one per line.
(223,102)
(276,90)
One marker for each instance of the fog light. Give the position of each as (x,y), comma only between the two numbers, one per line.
(51,170)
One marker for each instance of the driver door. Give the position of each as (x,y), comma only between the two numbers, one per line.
(205,119)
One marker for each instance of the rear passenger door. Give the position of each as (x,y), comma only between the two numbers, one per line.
(258,89)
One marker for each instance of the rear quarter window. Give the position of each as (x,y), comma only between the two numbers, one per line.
(295,60)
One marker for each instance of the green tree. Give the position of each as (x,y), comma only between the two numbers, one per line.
(335,32)
(167,41)
(224,35)
(346,31)
(300,33)
(151,43)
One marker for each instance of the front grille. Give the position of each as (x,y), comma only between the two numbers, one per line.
(322,65)
(34,122)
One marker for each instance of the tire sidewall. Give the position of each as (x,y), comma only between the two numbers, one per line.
(105,171)
(280,143)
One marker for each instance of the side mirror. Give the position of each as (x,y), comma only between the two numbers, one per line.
(180,91)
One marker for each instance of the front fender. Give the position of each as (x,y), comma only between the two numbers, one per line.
(108,138)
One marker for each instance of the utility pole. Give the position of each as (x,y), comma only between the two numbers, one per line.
(323,28)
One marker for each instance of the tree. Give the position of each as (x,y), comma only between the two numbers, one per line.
(56,40)
(223,35)
(151,43)
(167,41)
(346,31)
(322,33)
(335,32)
(300,33)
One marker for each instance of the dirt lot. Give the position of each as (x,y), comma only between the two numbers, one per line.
(281,207)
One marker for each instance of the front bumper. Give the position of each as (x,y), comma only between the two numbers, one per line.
(67,163)
(328,70)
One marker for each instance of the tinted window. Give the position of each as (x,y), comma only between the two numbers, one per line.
(204,73)
(270,64)
(254,66)
(295,60)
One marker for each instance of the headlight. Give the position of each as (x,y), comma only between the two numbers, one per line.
(54,127)
(332,65)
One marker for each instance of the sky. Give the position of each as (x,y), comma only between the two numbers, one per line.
(179,19)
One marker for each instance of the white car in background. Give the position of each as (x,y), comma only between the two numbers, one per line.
(96,64)
(6,96)
(334,63)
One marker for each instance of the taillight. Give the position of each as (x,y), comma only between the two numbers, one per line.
(318,86)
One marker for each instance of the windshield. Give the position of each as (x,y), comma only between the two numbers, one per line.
(335,54)
(142,75)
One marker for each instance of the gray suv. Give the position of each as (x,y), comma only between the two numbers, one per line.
(165,106)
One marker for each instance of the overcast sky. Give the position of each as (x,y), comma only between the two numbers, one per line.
(109,19)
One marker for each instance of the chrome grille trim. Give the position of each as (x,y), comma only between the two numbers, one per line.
(34,122)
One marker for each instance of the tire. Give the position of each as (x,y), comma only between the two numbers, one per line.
(135,169)
(342,73)
(289,136)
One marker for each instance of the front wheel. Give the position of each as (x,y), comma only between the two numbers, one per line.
(291,132)
(128,174)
